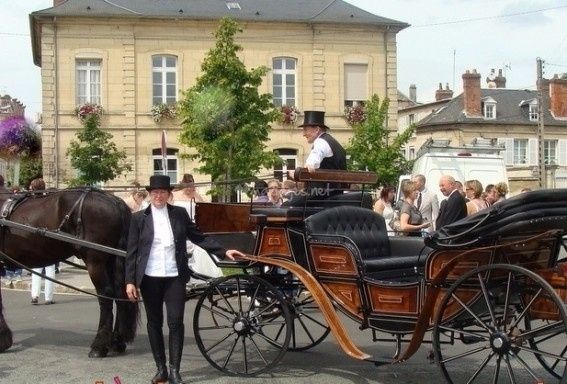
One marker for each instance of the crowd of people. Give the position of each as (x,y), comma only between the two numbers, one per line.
(419,211)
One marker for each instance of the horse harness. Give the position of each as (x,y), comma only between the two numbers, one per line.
(16,200)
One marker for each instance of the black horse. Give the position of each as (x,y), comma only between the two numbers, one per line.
(91,215)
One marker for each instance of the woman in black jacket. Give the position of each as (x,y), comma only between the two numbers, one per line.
(157,265)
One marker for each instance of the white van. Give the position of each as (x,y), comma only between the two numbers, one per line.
(482,162)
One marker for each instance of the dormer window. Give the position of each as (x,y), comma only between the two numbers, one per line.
(489,108)
(533,112)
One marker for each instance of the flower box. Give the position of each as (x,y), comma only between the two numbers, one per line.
(289,114)
(355,114)
(163,111)
(85,110)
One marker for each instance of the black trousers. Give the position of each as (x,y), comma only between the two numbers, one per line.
(169,290)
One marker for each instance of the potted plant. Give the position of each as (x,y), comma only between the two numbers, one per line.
(163,111)
(355,114)
(85,110)
(289,114)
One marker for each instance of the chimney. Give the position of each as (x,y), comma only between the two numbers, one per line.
(442,94)
(413,93)
(558,97)
(471,94)
(500,80)
(58,2)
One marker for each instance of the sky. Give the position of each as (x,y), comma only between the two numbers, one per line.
(446,37)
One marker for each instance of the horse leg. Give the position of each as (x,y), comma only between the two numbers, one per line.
(103,286)
(5,333)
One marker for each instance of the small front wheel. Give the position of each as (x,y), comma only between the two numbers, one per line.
(234,325)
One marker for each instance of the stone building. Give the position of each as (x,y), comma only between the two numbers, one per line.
(509,117)
(128,55)
(10,107)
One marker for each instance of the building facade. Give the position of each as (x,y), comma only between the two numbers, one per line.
(498,116)
(129,55)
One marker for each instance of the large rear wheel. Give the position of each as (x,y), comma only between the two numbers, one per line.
(495,311)
(235,328)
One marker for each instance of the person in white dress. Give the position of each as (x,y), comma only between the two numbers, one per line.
(383,206)
(186,196)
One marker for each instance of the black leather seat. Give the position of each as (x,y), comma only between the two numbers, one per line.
(367,231)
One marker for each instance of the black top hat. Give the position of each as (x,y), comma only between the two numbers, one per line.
(314,118)
(159,182)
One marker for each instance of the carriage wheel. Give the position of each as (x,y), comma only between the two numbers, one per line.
(491,310)
(309,327)
(553,365)
(234,326)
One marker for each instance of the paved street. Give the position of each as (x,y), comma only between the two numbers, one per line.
(52,342)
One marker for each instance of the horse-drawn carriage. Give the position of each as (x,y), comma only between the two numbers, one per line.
(491,282)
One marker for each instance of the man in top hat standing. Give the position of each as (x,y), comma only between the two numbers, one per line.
(326,153)
(157,265)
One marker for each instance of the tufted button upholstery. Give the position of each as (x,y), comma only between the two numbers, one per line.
(381,257)
(364,227)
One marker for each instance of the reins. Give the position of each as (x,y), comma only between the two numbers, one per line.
(18,264)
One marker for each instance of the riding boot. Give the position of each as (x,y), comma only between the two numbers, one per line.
(158,351)
(176,338)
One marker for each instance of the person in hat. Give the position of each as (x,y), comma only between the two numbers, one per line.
(156,264)
(326,152)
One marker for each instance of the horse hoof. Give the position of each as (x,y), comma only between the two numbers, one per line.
(97,354)
(118,349)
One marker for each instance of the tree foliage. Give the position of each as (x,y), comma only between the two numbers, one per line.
(31,167)
(224,117)
(94,154)
(375,148)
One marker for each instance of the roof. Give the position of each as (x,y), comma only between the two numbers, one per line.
(508,110)
(303,11)
(293,11)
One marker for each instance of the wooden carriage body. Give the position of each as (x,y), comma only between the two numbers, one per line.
(401,285)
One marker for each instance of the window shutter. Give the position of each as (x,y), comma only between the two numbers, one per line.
(562,152)
(509,151)
(355,82)
(532,152)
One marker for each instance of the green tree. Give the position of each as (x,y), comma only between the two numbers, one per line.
(225,118)
(375,148)
(94,154)
(31,167)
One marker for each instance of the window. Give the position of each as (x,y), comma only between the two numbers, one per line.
(355,84)
(171,160)
(289,157)
(533,113)
(88,81)
(550,151)
(283,83)
(490,111)
(164,79)
(411,119)
(520,151)
(411,155)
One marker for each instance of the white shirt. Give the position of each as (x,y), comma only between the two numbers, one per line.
(161,262)
(320,150)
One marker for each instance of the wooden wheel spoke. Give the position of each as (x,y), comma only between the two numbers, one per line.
(489,305)
(470,311)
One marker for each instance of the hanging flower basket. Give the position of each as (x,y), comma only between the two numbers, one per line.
(355,114)
(289,114)
(163,111)
(85,110)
